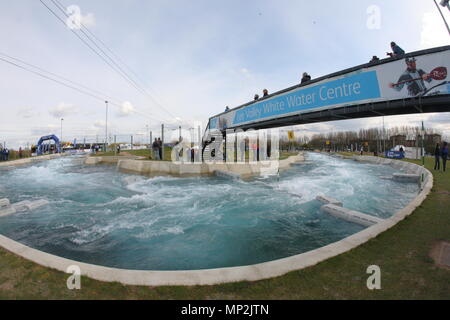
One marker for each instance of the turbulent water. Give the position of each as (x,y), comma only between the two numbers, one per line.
(101,216)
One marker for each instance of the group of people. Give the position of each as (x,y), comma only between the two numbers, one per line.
(4,154)
(157,149)
(95,148)
(397,52)
(441,152)
(265,94)
(305,78)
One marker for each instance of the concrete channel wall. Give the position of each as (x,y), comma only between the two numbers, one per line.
(23,161)
(233,274)
(148,167)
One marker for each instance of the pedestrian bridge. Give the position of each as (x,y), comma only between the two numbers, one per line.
(415,83)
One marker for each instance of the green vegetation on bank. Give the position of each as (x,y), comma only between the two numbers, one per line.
(407,271)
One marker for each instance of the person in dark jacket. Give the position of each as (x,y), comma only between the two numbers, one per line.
(160,148)
(256,97)
(396,51)
(155,149)
(374,59)
(265,93)
(306,77)
(437,157)
(444,154)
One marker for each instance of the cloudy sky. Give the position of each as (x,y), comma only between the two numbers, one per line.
(190,59)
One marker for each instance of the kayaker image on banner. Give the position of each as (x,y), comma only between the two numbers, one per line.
(415,78)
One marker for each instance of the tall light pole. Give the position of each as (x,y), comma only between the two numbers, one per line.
(384,138)
(444,3)
(61,129)
(106,126)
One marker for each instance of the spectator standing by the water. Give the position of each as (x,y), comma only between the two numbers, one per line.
(20,153)
(6,151)
(444,153)
(155,147)
(160,146)
(437,157)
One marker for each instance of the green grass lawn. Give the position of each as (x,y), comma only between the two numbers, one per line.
(407,271)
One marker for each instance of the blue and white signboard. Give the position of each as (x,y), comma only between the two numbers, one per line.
(394,154)
(421,75)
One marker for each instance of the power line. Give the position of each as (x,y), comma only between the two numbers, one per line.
(95,96)
(87,44)
(113,100)
(60,77)
(116,66)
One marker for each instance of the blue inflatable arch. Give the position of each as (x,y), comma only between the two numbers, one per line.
(40,145)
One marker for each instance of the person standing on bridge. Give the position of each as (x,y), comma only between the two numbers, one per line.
(397,51)
(413,78)
(256,97)
(265,93)
(305,77)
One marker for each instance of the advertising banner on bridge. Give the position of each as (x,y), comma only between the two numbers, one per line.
(420,75)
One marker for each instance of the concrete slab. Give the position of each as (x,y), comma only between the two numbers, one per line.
(328,200)
(4,203)
(36,204)
(406,177)
(7,211)
(22,205)
(350,215)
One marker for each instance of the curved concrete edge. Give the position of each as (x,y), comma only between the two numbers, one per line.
(23,161)
(244,170)
(254,272)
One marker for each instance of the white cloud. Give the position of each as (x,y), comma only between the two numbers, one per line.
(434,33)
(99,124)
(63,110)
(27,113)
(76,20)
(45,130)
(126,109)
(88,20)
